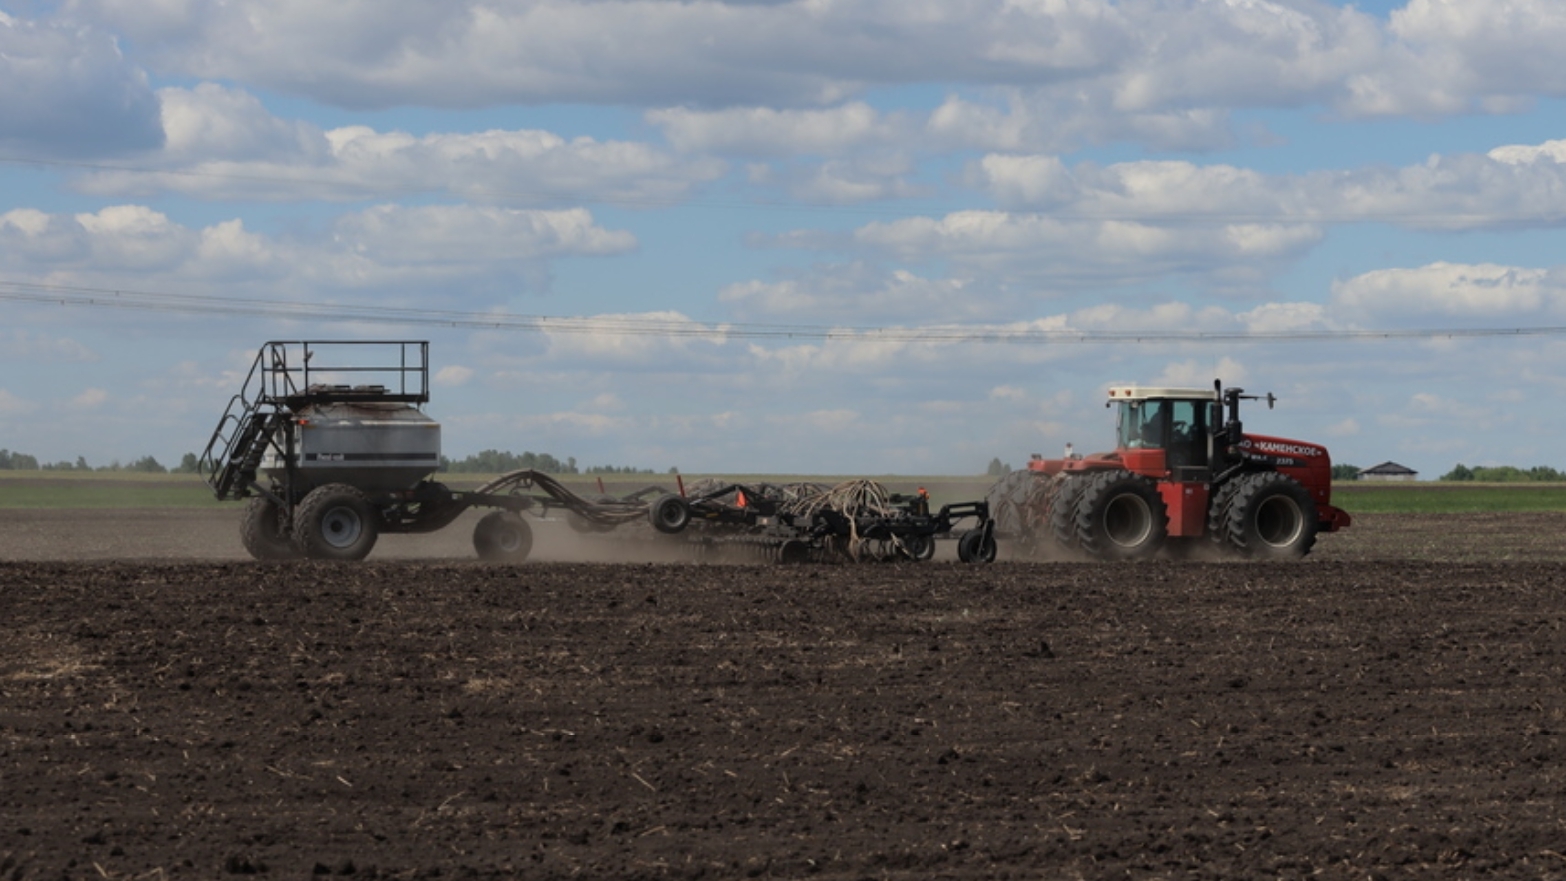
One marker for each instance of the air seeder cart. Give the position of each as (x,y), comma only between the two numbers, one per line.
(327,442)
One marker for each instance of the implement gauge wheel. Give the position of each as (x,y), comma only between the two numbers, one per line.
(977,546)
(669,514)
(502,537)
(336,522)
(262,533)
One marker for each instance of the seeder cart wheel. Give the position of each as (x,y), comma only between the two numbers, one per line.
(502,537)
(336,522)
(261,532)
(669,514)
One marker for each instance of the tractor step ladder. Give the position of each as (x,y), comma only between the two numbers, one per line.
(242,453)
(241,438)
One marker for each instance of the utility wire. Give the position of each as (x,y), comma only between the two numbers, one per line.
(638,325)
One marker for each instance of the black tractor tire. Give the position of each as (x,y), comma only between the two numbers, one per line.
(336,522)
(262,533)
(669,514)
(1218,513)
(1121,516)
(1008,499)
(1063,508)
(1271,517)
(977,546)
(502,537)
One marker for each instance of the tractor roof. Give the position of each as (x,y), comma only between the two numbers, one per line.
(1144,393)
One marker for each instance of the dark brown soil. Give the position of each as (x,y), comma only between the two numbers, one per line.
(1389,708)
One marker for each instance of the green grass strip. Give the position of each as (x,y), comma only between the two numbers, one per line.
(90,489)
(1448,498)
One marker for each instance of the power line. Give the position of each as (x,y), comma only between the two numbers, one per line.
(647,326)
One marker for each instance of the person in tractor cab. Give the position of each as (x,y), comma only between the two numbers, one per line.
(1153,428)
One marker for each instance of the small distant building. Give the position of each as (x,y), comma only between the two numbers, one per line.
(1388,471)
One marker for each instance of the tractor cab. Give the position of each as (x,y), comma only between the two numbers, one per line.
(1165,430)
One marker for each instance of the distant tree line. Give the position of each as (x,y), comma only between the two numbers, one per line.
(1505,474)
(487,462)
(498,462)
(10,461)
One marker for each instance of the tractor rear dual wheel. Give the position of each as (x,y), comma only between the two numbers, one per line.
(1120,515)
(1062,518)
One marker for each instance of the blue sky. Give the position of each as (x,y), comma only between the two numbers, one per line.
(1286,177)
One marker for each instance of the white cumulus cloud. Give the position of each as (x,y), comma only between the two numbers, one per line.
(224,144)
(1488,291)
(66,90)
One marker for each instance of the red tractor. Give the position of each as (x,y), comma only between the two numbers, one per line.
(1182,476)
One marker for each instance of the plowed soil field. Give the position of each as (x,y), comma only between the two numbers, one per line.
(1393,706)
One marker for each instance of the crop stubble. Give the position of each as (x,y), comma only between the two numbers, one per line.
(1391,707)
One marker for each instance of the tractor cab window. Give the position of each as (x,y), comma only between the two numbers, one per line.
(1178,427)
(1143,424)
(1187,444)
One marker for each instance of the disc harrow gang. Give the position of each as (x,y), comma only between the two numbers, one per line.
(854,521)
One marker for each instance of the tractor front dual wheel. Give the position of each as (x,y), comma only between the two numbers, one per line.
(1218,513)
(336,522)
(1270,516)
